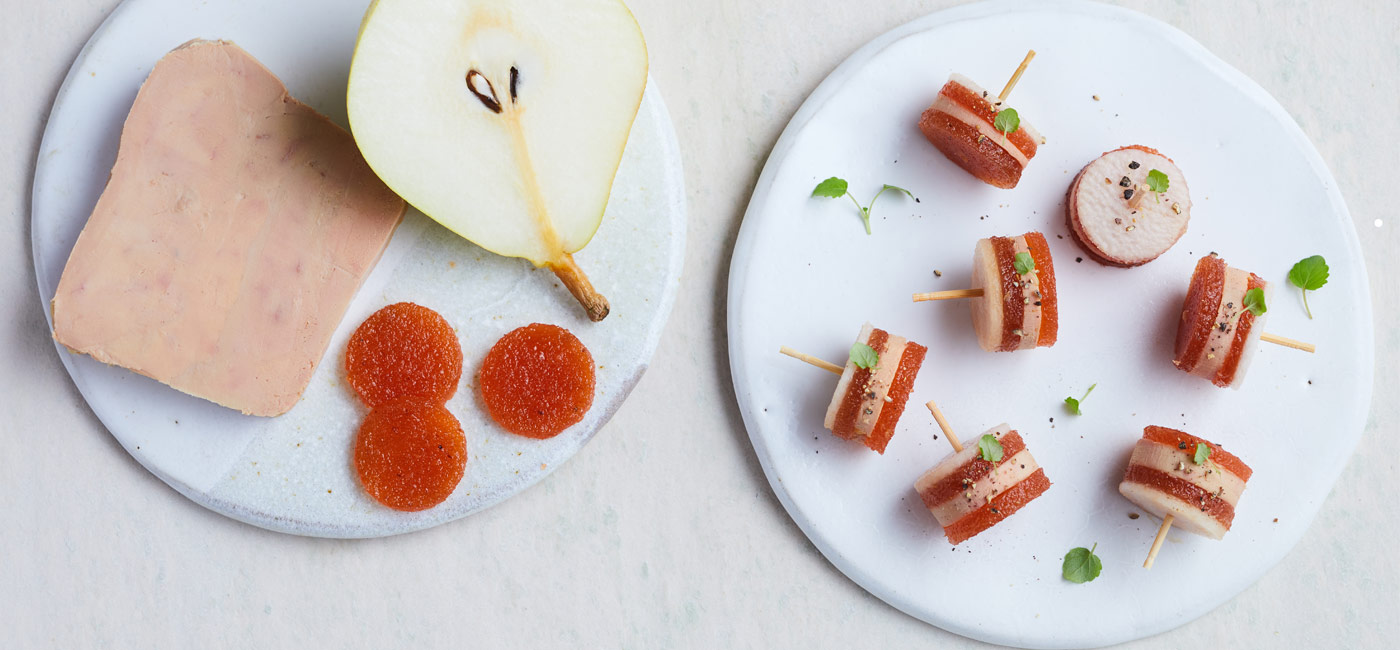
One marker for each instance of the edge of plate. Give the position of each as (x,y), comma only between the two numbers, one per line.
(818,98)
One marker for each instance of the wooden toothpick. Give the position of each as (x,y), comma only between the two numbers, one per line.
(943,424)
(1287,342)
(948,295)
(1030,54)
(1157,543)
(824,365)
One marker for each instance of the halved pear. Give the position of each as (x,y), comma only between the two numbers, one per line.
(503,120)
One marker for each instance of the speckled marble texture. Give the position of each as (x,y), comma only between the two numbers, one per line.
(662,532)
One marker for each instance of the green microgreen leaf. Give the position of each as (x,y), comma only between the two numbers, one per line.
(1309,274)
(1157,181)
(1254,301)
(989,448)
(1081,565)
(1024,263)
(1202,453)
(1007,121)
(831,188)
(864,356)
(1072,404)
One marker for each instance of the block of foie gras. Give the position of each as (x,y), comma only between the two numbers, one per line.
(235,228)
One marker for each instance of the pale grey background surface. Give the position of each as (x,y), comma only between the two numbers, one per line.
(662,532)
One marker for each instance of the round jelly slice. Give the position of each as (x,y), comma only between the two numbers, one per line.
(404,350)
(410,454)
(537,381)
(1198,311)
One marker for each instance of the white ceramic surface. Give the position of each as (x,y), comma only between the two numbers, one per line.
(805,275)
(292,473)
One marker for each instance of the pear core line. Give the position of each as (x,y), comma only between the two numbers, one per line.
(562,263)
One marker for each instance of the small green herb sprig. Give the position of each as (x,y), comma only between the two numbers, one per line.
(989,448)
(1072,405)
(835,188)
(1024,263)
(1254,301)
(1309,274)
(1158,183)
(1007,121)
(1081,565)
(864,356)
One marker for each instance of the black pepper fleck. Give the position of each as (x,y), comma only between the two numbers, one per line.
(1133,165)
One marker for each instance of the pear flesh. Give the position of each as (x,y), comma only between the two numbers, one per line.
(503,120)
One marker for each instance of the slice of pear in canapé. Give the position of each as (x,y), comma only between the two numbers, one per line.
(503,120)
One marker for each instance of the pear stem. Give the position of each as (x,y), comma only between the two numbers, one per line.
(577,282)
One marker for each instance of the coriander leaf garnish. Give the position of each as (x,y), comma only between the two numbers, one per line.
(989,448)
(864,356)
(1024,263)
(1007,121)
(1309,274)
(1081,565)
(1202,453)
(1254,301)
(1073,404)
(835,188)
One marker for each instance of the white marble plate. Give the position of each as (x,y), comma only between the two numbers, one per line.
(805,275)
(292,473)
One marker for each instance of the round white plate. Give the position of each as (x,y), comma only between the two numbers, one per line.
(805,275)
(292,473)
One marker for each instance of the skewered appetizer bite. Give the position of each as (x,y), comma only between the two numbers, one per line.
(1185,481)
(980,485)
(1222,321)
(1014,302)
(978,133)
(1112,216)
(874,386)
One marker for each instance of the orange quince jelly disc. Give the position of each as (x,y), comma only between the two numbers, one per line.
(410,454)
(537,381)
(404,350)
